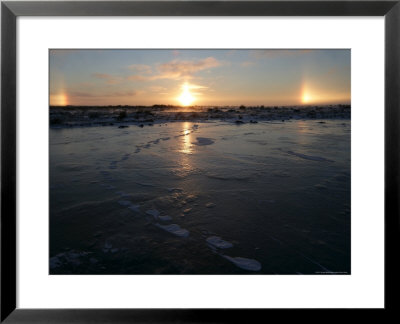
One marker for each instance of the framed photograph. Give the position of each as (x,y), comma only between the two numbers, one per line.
(198,160)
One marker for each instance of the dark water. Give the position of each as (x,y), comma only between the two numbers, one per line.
(277,195)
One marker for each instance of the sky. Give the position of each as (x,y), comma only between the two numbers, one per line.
(199,77)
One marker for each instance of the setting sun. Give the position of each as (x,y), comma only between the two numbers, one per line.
(186,97)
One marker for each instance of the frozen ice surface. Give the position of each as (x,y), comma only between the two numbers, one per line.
(276,204)
(175,189)
(123,194)
(134,208)
(308,157)
(145,184)
(55,262)
(125,157)
(70,258)
(124,203)
(218,242)
(316,263)
(266,201)
(174,229)
(243,263)
(93,260)
(107,247)
(191,198)
(165,218)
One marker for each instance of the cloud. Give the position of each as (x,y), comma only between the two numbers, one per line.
(110,79)
(174,70)
(88,94)
(178,70)
(157,89)
(195,86)
(141,68)
(130,93)
(186,69)
(138,77)
(81,94)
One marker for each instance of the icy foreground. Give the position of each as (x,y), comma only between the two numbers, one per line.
(201,198)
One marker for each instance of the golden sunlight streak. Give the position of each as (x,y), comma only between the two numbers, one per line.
(186,97)
(186,139)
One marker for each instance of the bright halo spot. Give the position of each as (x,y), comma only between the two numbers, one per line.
(305,98)
(59,99)
(186,97)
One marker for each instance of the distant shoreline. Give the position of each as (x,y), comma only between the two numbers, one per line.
(70,116)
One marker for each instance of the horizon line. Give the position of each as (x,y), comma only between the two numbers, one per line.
(204,106)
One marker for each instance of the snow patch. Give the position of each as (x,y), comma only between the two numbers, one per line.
(165,218)
(153,212)
(124,203)
(203,141)
(243,263)
(134,208)
(218,242)
(174,229)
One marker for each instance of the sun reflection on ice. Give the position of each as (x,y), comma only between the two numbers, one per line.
(186,149)
(303,134)
(186,139)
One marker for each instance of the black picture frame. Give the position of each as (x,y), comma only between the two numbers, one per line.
(10,10)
